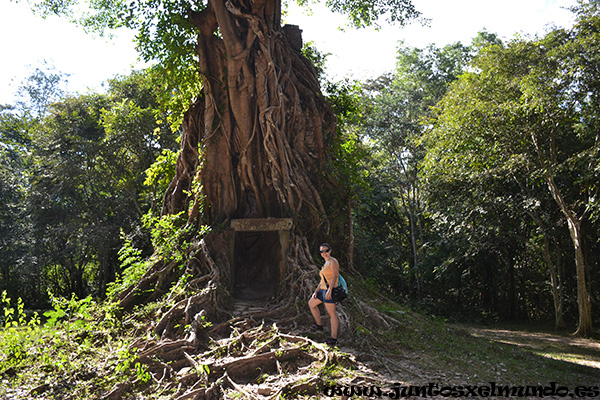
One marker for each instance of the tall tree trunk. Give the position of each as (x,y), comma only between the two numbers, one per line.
(410,203)
(557,285)
(584,303)
(261,123)
(556,276)
(548,160)
(512,301)
(253,144)
(584,327)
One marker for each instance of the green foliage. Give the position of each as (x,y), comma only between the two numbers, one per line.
(15,147)
(177,87)
(165,36)
(316,58)
(169,234)
(368,13)
(129,365)
(73,178)
(133,267)
(40,90)
(507,129)
(162,171)
(16,331)
(15,318)
(391,218)
(345,150)
(75,310)
(70,193)
(344,155)
(75,344)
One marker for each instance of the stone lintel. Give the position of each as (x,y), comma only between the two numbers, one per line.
(261,224)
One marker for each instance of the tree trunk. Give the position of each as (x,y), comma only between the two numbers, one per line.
(584,327)
(253,146)
(512,301)
(556,276)
(261,123)
(410,203)
(557,285)
(584,304)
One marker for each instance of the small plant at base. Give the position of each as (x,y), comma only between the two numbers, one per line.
(235,395)
(142,373)
(166,235)
(72,308)
(14,339)
(12,318)
(206,323)
(262,378)
(132,265)
(127,359)
(203,369)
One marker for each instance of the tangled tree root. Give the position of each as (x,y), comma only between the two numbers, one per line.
(258,361)
(252,356)
(202,350)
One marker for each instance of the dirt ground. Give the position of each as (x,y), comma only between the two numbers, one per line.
(558,345)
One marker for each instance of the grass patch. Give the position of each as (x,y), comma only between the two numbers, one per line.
(460,354)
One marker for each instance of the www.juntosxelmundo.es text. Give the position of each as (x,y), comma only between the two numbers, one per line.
(398,391)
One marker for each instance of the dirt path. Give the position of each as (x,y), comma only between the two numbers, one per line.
(558,346)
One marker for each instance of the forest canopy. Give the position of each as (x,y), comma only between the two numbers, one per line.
(470,173)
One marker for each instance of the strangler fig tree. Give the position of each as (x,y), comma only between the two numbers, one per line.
(256,129)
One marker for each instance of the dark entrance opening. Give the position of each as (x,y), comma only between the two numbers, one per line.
(256,261)
(260,252)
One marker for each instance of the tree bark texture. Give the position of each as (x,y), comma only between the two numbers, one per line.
(556,278)
(259,126)
(548,160)
(584,305)
(253,146)
(555,269)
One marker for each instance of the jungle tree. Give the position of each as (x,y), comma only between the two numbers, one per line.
(86,183)
(394,110)
(14,145)
(17,122)
(526,111)
(395,107)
